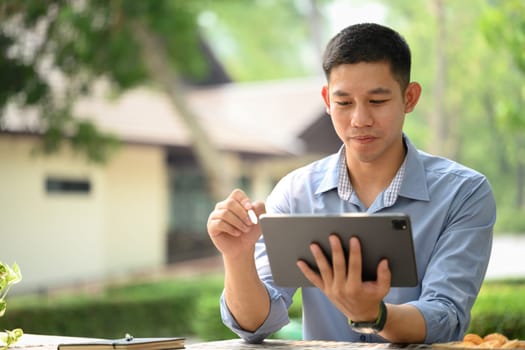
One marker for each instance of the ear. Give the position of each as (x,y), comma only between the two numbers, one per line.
(412,93)
(326,98)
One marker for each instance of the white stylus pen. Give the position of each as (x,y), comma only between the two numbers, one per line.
(252,216)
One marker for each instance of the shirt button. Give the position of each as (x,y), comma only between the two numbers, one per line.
(362,337)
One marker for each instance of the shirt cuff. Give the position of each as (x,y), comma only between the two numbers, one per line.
(277,318)
(442,325)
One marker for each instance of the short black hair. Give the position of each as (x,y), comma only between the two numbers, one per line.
(369,42)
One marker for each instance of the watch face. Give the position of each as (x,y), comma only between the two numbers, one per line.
(366,328)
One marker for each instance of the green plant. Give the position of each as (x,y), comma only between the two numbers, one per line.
(190,307)
(8,277)
(500,308)
(206,323)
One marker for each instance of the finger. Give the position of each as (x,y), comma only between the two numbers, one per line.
(355,261)
(324,266)
(232,205)
(310,274)
(217,227)
(338,259)
(384,276)
(227,221)
(259,208)
(236,201)
(238,196)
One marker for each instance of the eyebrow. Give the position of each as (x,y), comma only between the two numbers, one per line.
(380,90)
(374,91)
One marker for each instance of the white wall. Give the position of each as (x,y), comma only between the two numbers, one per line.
(61,239)
(136,213)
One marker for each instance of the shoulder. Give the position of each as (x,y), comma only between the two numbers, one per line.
(315,170)
(452,182)
(299,187)
(436,166)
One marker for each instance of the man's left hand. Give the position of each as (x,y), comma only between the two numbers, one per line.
(341,280)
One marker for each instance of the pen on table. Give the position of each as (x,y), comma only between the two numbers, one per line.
(253,216)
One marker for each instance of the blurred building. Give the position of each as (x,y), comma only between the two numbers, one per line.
(67,221)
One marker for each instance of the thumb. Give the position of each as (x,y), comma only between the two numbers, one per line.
(259,207)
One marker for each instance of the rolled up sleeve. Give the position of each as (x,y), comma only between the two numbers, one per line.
(280,301)
(458,266)
(277,318)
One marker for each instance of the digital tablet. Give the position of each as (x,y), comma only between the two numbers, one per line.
(288,238)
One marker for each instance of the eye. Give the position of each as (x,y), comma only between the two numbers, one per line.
(377,102)
(342,103)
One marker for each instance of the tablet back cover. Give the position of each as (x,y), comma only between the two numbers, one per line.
(288,237)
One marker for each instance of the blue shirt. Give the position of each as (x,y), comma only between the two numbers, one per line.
(452,211)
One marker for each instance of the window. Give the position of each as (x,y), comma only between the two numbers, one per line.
(68,185)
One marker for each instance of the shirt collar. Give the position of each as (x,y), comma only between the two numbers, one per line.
(415,182)
(345,188)
(410,180)
(331,174)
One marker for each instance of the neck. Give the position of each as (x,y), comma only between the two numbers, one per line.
(369,179)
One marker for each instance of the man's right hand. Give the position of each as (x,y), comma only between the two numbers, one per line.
(234,234)
(230,227)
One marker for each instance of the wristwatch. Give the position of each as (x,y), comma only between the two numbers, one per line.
(373,326)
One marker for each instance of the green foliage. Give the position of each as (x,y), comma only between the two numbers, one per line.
(207,323)
(86,41)
(510,220)
(187,307)
(8,277)
(168,308)
(10,337)
(503,25)
(190,307)
(483,89)
(500,308)
(261,40)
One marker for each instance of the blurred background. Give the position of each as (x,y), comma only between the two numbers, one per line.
(123,122)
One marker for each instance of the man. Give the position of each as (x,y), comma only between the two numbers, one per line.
(452,210)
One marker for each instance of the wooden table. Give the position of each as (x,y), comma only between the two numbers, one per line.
(47,342)
(237,344)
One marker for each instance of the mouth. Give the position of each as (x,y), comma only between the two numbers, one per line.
(363,138)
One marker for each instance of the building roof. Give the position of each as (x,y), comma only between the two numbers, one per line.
(277,111)
(263,117)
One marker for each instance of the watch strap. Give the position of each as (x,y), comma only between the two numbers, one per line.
(374,326)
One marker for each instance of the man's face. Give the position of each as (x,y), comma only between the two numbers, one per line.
(368,109)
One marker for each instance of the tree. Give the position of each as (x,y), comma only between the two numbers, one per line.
(130,43)
(89,40)
(481,43)
(503,25)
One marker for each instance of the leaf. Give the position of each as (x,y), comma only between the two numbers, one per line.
(11,337)
(9,275)
(16,274)
(3,306)
(4,273)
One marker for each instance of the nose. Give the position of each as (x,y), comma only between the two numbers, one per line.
(361,116)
